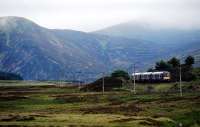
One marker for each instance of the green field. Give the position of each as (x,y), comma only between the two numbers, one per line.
(28,103)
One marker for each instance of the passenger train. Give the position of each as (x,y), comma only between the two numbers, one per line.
(161,76)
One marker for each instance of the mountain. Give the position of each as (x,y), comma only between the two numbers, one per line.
(154,33)
(124,52)
(177,41)
(38,53)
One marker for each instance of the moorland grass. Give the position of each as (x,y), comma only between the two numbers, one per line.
(52,105)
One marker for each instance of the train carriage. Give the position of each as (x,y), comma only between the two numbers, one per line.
(161,76)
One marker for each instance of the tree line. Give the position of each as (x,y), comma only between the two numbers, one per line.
(9,76)
(174,65)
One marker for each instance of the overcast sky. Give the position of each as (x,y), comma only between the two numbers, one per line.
(89,15)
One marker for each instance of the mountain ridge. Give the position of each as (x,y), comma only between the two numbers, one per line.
(147,32)
(38,53)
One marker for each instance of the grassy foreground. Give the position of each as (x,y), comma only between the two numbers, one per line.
(46,104)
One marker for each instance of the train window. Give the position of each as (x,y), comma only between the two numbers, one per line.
(148,76)
(151,76)
(145,77)
(157,76)
(142,76)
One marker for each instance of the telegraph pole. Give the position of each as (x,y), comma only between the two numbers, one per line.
(134,91)
(180,81)
(79,82)
(103,89)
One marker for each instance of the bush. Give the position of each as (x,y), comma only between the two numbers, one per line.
(120,73)
(150,89)
(9,76)
(109,84)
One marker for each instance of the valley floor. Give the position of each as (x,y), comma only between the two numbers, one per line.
(46,104)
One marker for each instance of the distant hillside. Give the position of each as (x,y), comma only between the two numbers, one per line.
(145,31)
(9,76)
(38,53)
(123,52)
(176,41)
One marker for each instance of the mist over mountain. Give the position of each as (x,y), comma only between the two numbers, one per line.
(178,41)
(38,53)
(152,32)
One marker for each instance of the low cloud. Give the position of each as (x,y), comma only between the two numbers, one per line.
(89,15)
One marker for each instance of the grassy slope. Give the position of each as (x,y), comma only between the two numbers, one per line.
(50,105)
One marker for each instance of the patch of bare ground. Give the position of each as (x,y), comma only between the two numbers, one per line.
(7,97)
(92,97)
(128,109)
(20,117)
(79,97)
(75,99)
(20,91)
(15,117)
(142,121)
(23,90)
(90,94)
(85,126)
(17,88)
(170,102)
(12,126)
(24,126)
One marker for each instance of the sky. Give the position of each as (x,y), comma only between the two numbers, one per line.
(91,15)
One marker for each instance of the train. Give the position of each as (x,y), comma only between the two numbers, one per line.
(159,76)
